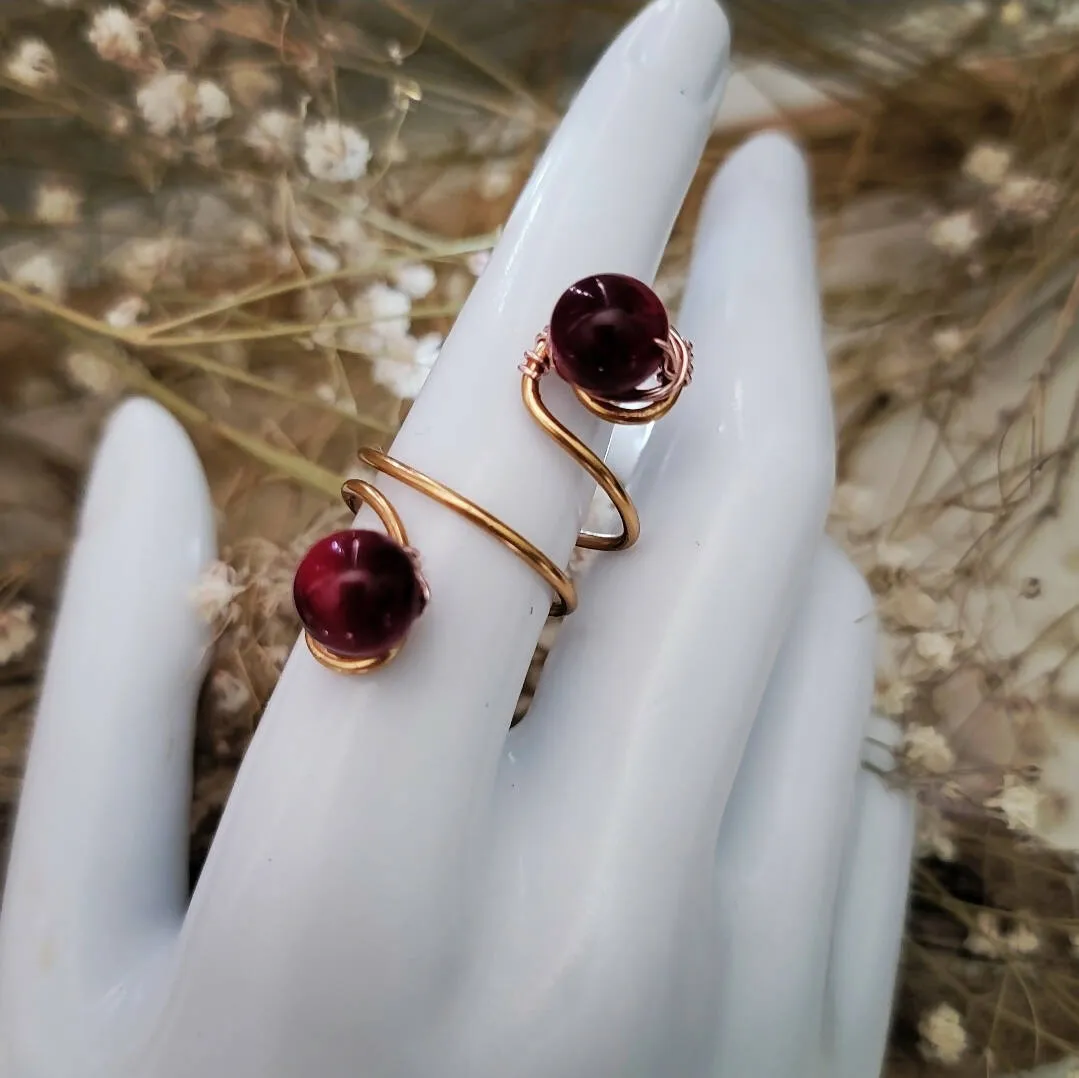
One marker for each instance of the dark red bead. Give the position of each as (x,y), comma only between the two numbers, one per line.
(358,592)
(604,333)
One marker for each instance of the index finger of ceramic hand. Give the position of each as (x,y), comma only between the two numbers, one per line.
(411,750)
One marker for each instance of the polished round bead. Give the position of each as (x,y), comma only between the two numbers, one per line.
(605,335)
(358,592)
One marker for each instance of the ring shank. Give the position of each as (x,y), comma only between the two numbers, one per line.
(528,552)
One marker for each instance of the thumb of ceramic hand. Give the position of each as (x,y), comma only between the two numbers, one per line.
(97,881)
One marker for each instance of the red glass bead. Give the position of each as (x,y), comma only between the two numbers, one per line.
(358,592)
(604,332)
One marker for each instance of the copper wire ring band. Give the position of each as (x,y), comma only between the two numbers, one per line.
(528,552)
(654,403)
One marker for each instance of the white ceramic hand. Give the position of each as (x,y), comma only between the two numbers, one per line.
(670,868)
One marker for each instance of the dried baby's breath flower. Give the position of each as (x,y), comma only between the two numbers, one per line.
(92,373)
(44,272)
(495,179)
(477,262)
(142,261)
(956,234)
(926,747)
(273,134)
(1023,940)
(390,310)
(407,363)
(934,835)
(31,63)
(320,259)
(1018,803)
(17,631)
(936,649)
(335,151)
(1013,13)
(229,693)
(415,279)
(163,102)
(114,35)
(211,105)
(214,596)
(943,1038)
(894,697)
(1028,198)
(349,236)
(949,342)
(125,312)
(986,939)
(57,203)
(988,163)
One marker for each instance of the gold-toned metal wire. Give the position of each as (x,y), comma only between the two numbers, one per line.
(357,492)
(528,552)
(647,405)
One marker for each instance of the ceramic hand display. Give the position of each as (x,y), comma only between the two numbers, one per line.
(672,867)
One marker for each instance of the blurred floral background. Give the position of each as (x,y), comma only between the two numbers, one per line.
(265,213)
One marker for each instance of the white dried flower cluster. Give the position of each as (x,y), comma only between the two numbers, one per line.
(31,63)
(142,261)
(1013,13)
(92,373)
(229,693)
(926,747)
(174,103)
(935,649)
(214,595)
(988,163)
(335,151)
(57,203)
(17,631)
(1027,198)
(115,36)
(893,697)
(477,262)
(415,279)
(400,361)
(949,342)
(943,1038)
(126,312)
(273,134)
(935,838)
(404,366)
(1018,803)
(956,234)
(390,311)
(988,940)
(495,179)
(43,272)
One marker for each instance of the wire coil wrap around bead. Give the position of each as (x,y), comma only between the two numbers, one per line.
(645,406)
